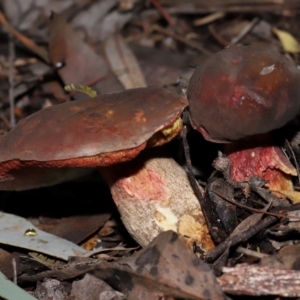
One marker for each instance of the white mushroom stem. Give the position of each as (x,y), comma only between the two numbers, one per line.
(153,194)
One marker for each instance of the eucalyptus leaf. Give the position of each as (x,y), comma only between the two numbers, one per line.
(19,232)
(10,291)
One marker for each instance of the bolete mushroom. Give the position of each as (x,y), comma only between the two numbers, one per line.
(238,96)
(152,192)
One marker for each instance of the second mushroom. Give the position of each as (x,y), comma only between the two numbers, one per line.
(239,96)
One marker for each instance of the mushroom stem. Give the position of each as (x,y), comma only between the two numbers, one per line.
(260,157)
(153,194)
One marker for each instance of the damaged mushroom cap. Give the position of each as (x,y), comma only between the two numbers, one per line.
(243,91)
(87,133)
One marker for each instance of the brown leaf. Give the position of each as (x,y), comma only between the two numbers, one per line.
(165,267)
(123,63)
(80,64)
(289,255)
(78,228)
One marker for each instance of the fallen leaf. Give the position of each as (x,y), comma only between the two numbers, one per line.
(19,232)
(165,267)
(288,42)
(123,63)
(294,196)
(70,54)
(78,228)
(10,291)
(289,255)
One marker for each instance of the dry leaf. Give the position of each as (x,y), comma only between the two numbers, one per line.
(291,195)
(11,291)
(19,232)
(288,42)
(123,63)
(165,267)
(79,62)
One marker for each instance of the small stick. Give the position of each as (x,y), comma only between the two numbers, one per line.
(199,191)
(217,36)
(40,51)
(163,12)
(232,201)
(11,80)
(291,152)
(250,252)
(236,239)
(209,19)
(14,265)
(181,39)
(208,208)
(245,31)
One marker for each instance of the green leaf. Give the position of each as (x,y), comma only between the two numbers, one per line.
(81,88)
(10,291)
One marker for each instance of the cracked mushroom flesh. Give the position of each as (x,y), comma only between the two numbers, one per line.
(238,96)
(152,192)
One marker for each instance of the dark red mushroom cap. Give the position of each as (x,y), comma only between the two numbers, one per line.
(93,127)
(243,91)
(96,132)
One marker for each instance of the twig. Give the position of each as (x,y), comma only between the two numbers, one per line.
(217,36)
(163,12)
(207,207)
(14,265)
(250,252)
(209,19)
(291,153)
(101,250)
(245,31)
(43,53)
(199,191)
(232,201)
(11,59)
(236,239)
(181,39)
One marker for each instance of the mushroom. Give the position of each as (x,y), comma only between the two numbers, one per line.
(152,192)
(240,95)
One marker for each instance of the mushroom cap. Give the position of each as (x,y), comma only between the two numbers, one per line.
(86,132)
(243,91)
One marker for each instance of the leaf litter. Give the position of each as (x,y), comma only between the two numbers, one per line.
(125,45)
